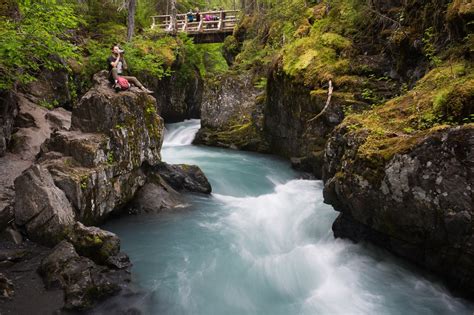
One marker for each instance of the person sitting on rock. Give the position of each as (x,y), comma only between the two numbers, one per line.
(116,63)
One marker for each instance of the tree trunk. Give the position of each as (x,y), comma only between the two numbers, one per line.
(173,16)
(132,4)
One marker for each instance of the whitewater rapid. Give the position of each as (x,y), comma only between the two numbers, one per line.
(262,244)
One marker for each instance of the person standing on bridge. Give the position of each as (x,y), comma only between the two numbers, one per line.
(116,64)
(198,15)
(190,16)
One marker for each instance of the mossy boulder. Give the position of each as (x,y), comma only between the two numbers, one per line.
(401,176)
(231,115)
(94,243)
(129,118)
(98,163)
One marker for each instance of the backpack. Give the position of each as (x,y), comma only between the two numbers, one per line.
(122,84)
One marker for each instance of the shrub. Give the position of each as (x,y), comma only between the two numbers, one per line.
(28,45)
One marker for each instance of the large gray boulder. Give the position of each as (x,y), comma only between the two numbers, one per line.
(41,207)
(418,204)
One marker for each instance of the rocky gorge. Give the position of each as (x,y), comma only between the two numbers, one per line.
(81,167)
(365,107)
(396,165)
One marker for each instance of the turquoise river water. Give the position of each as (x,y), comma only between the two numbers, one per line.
(262,244)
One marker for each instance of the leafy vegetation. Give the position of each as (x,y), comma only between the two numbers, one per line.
(77,36)
(31,43)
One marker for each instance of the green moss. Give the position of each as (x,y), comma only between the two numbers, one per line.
(443,98)
(315,59)
(84,182)
(110,158)
(93,240)
(335,41)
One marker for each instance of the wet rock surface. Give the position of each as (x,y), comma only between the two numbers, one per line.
(419,204)
(181,177)
(84,282)
(153,198)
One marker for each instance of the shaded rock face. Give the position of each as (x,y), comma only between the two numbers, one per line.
(8,112)
(7,289)
(153,198)
(231,115)
(164,182)
(419,204)
(83,281)
(298,122)
(51,87)
(30,129)
(180,98)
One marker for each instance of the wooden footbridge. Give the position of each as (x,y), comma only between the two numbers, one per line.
(205,27)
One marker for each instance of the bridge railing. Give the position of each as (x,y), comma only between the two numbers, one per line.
(210,22)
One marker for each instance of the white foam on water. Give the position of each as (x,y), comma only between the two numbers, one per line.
(263,244)
(181,134)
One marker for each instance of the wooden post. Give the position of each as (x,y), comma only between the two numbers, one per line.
(221,20)
(200,25)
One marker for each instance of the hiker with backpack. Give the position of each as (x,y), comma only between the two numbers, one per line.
(116,64)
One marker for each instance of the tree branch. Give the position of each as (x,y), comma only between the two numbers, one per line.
(328,101)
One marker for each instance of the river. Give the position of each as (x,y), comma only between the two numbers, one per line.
(262,244)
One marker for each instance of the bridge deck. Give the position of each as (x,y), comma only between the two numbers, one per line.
(211,22)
